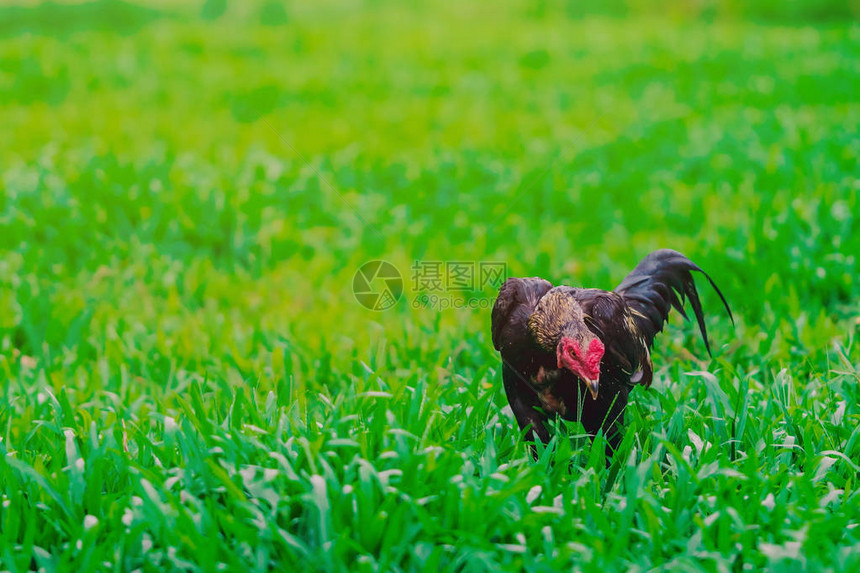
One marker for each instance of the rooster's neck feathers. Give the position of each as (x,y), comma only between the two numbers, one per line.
(558,313)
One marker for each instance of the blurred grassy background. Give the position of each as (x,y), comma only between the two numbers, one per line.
(186,190)
(137,135)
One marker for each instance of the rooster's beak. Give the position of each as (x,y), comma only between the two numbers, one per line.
(593,386)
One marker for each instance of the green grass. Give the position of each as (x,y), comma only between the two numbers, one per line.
(186,193)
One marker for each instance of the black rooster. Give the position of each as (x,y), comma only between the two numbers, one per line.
(558,342)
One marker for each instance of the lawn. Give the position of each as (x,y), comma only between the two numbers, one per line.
(187,191)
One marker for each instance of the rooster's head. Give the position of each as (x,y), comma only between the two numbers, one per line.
(558,325)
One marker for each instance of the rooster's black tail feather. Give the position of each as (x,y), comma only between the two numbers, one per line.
(658,283)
